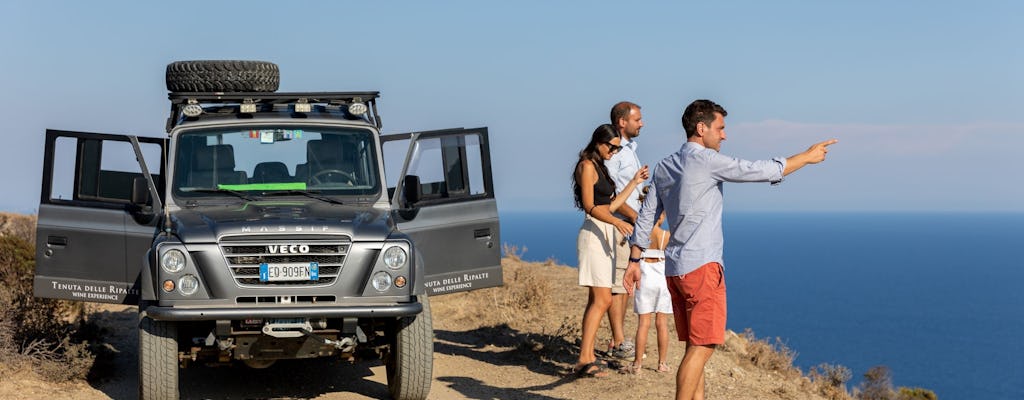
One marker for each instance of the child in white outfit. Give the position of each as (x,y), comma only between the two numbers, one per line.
(652,297)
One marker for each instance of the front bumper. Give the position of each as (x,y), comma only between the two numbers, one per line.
(206,314)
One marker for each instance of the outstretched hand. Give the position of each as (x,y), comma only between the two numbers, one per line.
(816,153)
(813,155)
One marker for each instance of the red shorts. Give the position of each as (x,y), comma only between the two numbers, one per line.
(698,301)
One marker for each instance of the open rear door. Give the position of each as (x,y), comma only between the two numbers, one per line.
(444,199)
(91,238)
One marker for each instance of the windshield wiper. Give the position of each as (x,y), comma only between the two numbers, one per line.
(312,195)
(228,191)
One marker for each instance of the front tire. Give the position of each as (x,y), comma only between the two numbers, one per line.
(410,361)
(158,360)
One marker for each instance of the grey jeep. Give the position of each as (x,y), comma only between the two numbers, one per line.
(269,225)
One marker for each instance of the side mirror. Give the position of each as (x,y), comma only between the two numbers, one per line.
(139,209)
(412,189)
(140,192)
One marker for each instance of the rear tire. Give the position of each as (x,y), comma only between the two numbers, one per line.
(410,361)
(222,76)
(158,360)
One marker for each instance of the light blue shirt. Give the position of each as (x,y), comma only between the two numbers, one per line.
(622,167)
(688,188)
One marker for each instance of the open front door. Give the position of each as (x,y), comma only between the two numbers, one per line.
(444,199)
(97,215)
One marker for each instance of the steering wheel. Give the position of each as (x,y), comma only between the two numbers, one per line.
(332,175)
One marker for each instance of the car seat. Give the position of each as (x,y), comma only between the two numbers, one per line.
(323,155)
(271,172)
(215,165)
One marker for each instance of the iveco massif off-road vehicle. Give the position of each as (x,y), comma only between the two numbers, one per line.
(263,228)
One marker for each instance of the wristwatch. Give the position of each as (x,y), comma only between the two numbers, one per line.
(634,260)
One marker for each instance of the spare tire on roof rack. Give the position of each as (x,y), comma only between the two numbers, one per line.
(222,76)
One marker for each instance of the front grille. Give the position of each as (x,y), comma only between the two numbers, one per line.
(244,259)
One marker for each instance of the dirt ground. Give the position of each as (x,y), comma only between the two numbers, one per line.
(514,342)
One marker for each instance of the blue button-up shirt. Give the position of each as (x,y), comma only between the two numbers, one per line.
(688,188)
(622,167)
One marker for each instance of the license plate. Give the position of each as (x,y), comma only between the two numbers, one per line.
(289,272)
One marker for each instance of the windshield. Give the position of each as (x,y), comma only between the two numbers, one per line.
(269,160)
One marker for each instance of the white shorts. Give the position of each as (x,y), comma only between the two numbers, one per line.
(652,296)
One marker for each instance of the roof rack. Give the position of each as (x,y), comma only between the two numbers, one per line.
(181,99)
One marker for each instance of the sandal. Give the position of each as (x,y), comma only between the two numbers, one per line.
(592,370)
(662,367)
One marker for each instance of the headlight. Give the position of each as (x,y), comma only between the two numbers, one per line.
(395,257)
(173,261)
(381,281)
(188,285)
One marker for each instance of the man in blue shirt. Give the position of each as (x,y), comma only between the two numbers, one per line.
(627,119)
(688,188)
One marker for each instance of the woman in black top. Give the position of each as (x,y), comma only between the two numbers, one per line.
(594,193)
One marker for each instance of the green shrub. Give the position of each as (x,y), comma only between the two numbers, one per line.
(916,394)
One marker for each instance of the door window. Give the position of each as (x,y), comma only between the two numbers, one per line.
(448,167)
(63,179)
(106,169)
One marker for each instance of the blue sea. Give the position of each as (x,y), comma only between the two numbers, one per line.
(935,297)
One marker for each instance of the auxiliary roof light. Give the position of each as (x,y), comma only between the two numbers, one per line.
(192,109)
(303,106)
(247,107)
(357,107)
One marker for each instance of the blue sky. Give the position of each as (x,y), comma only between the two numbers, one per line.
(925,97)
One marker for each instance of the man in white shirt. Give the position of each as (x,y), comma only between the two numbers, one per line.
(627,120)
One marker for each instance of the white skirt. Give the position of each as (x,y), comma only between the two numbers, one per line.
(594,247)
(652,296)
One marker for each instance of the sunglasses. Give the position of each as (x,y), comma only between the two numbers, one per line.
(613,148)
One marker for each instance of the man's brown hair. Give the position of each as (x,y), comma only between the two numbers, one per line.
(621,110)
(700,111)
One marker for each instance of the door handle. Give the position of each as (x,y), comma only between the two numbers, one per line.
(57,240)
(484,235)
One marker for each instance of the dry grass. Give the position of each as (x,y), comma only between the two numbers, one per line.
(18,225)
(519,310)
(524,298)
(775,356)
(830,381)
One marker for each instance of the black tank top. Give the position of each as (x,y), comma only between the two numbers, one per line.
(604,188)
